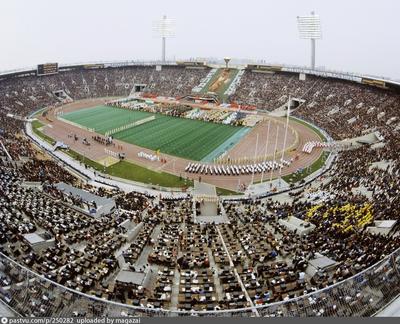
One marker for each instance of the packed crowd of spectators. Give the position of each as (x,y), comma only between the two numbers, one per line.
(268,91)
(251,260)
(18,95)
(344,109)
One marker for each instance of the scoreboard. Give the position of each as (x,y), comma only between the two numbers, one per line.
(373,82)
(46,69)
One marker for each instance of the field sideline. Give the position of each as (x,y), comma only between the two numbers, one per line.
(191,139)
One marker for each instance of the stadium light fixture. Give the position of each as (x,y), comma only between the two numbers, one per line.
(164,28)
(310,28)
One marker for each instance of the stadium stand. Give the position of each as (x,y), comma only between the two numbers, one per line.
(252,263)
(270,90)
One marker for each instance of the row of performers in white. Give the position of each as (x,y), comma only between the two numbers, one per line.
(236,169)
(309,146)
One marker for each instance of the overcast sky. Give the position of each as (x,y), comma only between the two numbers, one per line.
(358,35)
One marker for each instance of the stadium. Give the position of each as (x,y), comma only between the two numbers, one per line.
(195,188)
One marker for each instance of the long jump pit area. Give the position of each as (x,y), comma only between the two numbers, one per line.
(166,144)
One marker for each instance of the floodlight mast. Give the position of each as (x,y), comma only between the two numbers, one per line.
(163,50)
(165,27)
(310,28)
(313,54)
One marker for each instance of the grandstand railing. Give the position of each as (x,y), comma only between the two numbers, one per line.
(363,294)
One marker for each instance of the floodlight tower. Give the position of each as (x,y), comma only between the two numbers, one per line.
(164,28)
(310,28)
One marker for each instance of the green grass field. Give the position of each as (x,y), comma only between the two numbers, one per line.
(105,118)
(36,126)
(130,171)
(191,139)
(298,176)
